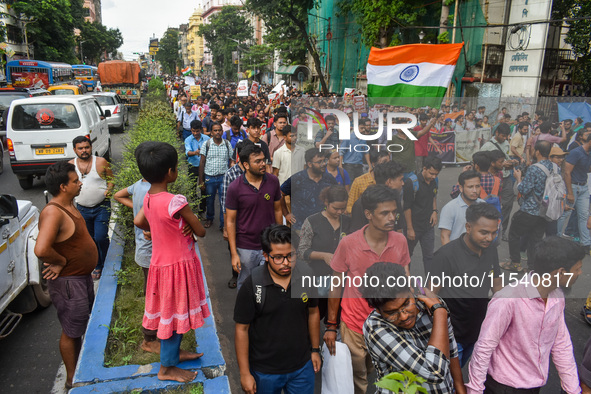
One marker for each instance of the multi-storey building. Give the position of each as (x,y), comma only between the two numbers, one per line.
(184,45)
(195,41)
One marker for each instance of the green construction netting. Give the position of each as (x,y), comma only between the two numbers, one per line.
(348,56)
(470,14)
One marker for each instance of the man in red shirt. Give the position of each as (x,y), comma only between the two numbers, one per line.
(375,242)
(423,138)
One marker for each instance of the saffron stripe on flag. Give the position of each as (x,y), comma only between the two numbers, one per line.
(416,53)
(417,74)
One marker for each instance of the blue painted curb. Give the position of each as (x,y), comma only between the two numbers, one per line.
(218,385)
(91,369)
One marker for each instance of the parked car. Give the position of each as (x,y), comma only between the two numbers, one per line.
(59,90)
(7,95)
(40,131)
(119,114)
(22,287)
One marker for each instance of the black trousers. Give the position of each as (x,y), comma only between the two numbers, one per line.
(491,386)
(524,224)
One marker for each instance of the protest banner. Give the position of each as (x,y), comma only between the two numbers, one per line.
(242,89)
(348,96)
(446,143)
(254,89)
(195,91)
(469,142)
(359,104)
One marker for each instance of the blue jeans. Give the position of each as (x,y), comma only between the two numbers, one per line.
(186,134)
(213,185)
(581,194)
(97,223)
(170,350)
(464,352)
(249,259)
(296,382)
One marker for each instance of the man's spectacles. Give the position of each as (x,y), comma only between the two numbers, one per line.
(280,259)
(320,161)
(395,316)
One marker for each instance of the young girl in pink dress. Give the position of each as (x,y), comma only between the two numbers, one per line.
(175,293)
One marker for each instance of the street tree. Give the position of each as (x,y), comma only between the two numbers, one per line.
(258,57)
(295,12)
(579,31)
(52,31)
(379,19)
(96,39)
(221,33)
(284,36)
(168,51)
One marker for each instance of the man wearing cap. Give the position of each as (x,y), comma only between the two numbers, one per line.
(184,120)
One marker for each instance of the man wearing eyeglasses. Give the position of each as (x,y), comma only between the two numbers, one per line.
(277,334)
(252,204)
(409,331)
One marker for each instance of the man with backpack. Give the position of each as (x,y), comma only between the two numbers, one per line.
(420,209)
(216,155)
(500,142)
(277,333)
(528,220)
(236,133)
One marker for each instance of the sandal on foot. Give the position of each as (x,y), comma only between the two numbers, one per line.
(586,314)
(233,283)
(96,274)
(513,267)
(207,224)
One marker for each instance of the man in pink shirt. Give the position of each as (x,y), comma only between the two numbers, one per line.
(524,324)
(375,242)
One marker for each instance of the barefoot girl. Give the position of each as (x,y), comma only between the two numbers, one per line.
(175,295)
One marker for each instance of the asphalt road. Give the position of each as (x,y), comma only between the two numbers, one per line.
(29,357)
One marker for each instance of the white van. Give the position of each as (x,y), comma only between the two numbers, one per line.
(40,131)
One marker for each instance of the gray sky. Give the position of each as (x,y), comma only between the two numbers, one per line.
(138,20)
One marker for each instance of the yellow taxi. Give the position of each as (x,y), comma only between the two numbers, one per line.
(59,90)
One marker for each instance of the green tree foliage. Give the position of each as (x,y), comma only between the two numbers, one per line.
(95,39)
(577,36)
(227,25)
(284,35)
(379,19)
(52,33)
(258,57)
(292,17)
(168,51)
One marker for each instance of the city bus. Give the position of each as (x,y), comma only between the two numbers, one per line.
(87,74)
(37,74)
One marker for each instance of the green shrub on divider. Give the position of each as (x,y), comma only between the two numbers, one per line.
(155,122)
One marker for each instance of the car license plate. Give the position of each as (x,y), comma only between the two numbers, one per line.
(49,151)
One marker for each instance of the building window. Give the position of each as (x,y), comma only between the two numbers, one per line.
(86,12)
(14,34)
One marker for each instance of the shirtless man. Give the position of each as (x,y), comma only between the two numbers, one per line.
(69,255)
(94,201)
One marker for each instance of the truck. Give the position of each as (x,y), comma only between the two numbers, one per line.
(123,78)
(22,287)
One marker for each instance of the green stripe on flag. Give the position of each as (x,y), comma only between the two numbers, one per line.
(407,95)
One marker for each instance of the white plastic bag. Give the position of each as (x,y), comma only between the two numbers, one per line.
(337,371)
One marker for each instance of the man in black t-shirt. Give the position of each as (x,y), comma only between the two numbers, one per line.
(420,209)
(468,257)
(277,335)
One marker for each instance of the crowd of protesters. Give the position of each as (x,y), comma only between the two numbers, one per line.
(288,212)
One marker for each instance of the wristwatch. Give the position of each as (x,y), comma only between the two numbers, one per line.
(315,350)
(437,306)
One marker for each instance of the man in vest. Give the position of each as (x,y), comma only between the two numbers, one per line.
(92,202)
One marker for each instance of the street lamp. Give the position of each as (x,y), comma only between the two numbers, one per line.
(421,36)
(25,22)
(238,49)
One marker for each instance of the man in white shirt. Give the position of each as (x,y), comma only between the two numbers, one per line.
(288,158)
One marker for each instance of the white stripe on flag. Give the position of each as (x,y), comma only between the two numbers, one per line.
(429,74)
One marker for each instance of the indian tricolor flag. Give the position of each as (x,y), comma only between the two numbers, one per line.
(186,71)
(415,70)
